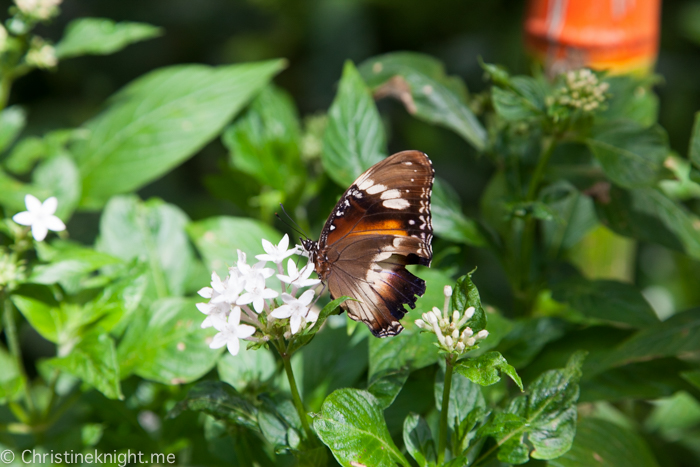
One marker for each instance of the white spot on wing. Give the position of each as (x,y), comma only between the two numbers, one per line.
(396,203)
(332,227)
(391,194)
(366,183)
(375,189)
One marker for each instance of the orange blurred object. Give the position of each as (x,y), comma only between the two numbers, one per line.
(617,35)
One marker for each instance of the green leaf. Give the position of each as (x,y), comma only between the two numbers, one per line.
(94,361)
(522,100)
(484,370)
(605,444)
(218,238)
(42,311)
(630,155)
(613,301)
(387,384)
(672,416)
(647,214)
(527,337)
(548,415)
(249,367)
(221,401)
(152,232)
(694,149)
(678,335)
(351,424)
(465,295)
(693,377)
(448,220)
(631,98)
(11,379)
(160,120)
(166,344)
(98,36)
(420,83)
(264,143)
(67,261)
(354,137)
(574,216)
(419,440)
(12,121)
(60,176)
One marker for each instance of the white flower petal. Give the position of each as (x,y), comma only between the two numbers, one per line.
(49,206)
(282,312)
(234,318)
(283,244)
(307,297)
(245,299)
(295,323)
(218,341)
(39,231)
(204,307)
(32,203)
(24,218)
(258,304)
(245,331)
(55,224)
(233,346)
(205,292)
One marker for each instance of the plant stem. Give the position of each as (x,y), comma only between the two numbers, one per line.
(296,398)
(15,351)
(527,239)
(442,446)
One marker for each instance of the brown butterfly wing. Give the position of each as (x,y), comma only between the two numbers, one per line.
(381,224)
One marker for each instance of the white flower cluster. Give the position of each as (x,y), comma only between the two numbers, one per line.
(243,296)
(448,328)
(583,90)
(41,55)
(39,9)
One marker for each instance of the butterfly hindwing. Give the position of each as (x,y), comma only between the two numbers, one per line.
(381,224)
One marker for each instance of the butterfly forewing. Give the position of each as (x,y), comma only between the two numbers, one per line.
(381,224)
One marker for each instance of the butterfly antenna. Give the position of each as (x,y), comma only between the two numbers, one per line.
(294,227)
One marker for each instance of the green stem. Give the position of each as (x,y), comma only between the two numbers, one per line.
(296,398)
(527,239)
(15,351)
(442,444)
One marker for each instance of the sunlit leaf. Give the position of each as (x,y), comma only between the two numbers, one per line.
(99,36)
(354,137)
(351,424)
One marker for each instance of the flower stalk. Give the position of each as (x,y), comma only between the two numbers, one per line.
(450,360)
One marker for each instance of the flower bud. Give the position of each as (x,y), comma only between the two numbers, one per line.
(455,316)
(449,343)
(421,324)
(455,334)
(448,291)
(467,333)
(460,346)
(483,334)
(470,342)
(469,312)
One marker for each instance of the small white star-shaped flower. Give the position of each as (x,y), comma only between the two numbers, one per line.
(230,331)
(298,278)
(40,216)
(277,253)
(256,293)
(296,309)
(216,312)
(226,291)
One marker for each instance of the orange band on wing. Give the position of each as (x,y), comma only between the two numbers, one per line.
(386,227)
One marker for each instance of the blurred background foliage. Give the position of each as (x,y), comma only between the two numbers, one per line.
(316,37)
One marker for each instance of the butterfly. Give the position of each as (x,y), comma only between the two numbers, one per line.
(381,224)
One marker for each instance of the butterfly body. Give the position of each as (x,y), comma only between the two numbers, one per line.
(381,224)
